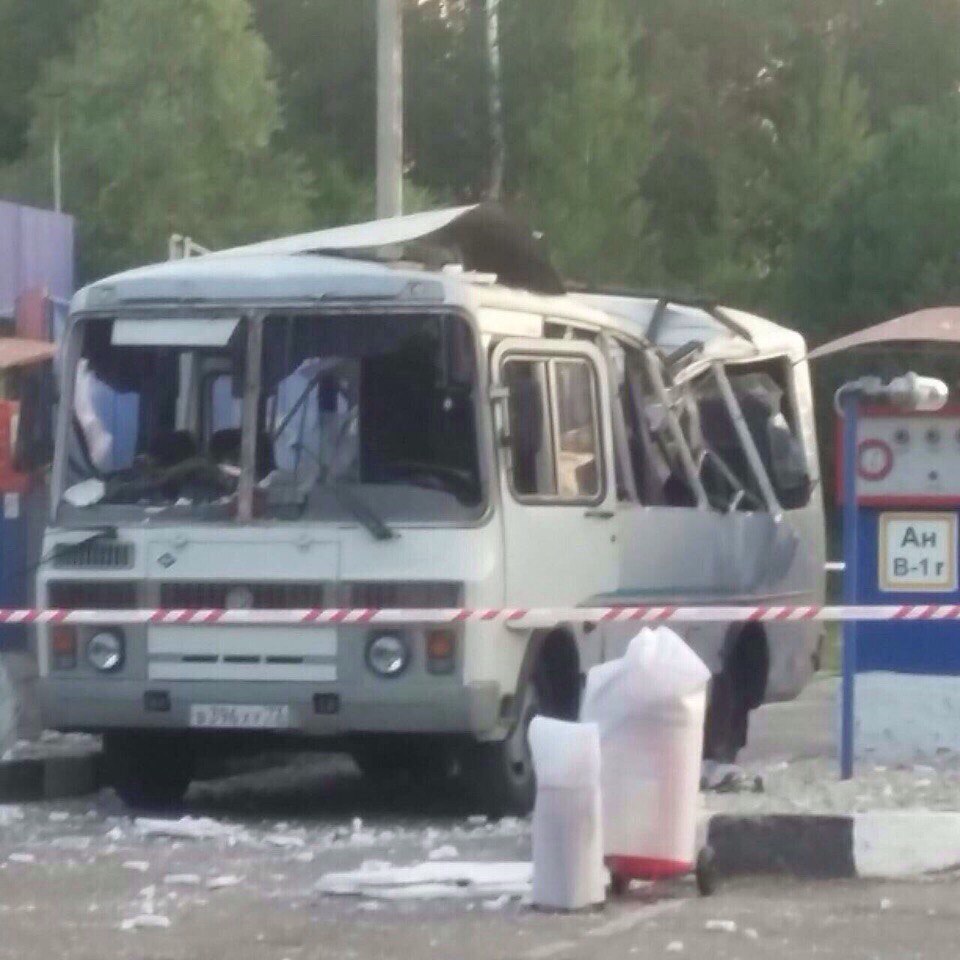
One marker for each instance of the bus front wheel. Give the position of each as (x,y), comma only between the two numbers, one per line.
(499,774)
(148,771)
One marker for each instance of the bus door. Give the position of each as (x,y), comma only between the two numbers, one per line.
(558,488)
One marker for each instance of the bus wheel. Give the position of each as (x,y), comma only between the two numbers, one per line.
(499,775)
(148,771)
(734,692)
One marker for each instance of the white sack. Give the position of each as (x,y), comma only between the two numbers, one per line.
(568,871)
(649,707)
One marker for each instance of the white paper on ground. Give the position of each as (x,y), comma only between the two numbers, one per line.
(431,880)
(146,921)
(568,871)
(186,828)
(649,707)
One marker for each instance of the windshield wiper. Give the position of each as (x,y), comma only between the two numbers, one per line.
(361,511)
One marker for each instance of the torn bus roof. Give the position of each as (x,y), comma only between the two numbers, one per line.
(673,324)
(481,237)
(933,325)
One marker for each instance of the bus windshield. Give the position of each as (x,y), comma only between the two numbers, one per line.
(385,404)
(354,409)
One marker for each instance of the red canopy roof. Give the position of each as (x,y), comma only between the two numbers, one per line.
(18,352)
(935,325)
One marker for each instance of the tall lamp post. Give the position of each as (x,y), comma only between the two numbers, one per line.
(389,109)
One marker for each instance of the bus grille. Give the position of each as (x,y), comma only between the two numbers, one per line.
(92,595)
(266,596)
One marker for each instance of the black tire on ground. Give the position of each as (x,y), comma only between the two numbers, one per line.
(706,872)
(148,771)
(499,775)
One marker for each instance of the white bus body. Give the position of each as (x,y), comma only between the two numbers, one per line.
(274,428)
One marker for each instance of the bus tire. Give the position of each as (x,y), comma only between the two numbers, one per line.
(499,775)
(148,771)
(737,689)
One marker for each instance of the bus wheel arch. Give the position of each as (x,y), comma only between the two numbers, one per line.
(738,688)
(500,773)
(552,665)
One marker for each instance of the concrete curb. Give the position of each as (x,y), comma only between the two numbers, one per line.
(875,845)
(49,778)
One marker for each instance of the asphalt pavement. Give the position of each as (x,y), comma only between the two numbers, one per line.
(74,873)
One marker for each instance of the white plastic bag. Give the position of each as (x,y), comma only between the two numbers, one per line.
(649,708)
(568,871)
(657,669)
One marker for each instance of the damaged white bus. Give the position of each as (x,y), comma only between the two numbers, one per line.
(411,413)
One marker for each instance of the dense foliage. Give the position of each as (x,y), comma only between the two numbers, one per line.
(797,156)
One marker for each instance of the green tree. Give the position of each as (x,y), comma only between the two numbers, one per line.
(780,184)
(888,243)
(31,33)
(585,152)
(169,123)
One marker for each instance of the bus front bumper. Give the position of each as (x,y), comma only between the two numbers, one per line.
(315,710)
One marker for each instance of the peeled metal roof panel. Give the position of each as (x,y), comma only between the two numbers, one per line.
(481,237)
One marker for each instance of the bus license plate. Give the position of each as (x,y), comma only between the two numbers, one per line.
(226,716)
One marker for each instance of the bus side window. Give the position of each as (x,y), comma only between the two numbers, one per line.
(768,411)
(531,447)
(578,448)
(554,429)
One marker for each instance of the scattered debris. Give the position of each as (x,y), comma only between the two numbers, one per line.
(721,926)
(182,880)
(497,903)
(446,852)
(146,921)
(432,880)
(284,840)
(227,880)
(187,828)
(10,814)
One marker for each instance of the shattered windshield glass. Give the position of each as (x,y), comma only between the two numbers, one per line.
(362,418)
(156,425)
(384,405)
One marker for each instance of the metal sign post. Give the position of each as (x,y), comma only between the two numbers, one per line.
(850,584)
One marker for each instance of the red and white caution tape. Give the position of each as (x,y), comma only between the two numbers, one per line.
(519,617)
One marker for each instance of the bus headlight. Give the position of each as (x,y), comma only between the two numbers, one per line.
(388,654)
(105,651)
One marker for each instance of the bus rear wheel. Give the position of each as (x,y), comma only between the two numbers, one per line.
(147,770)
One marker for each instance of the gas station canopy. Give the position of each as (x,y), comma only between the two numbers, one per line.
(19,352)
(933,325)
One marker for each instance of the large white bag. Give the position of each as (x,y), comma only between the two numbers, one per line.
(568,872)
(649,708)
